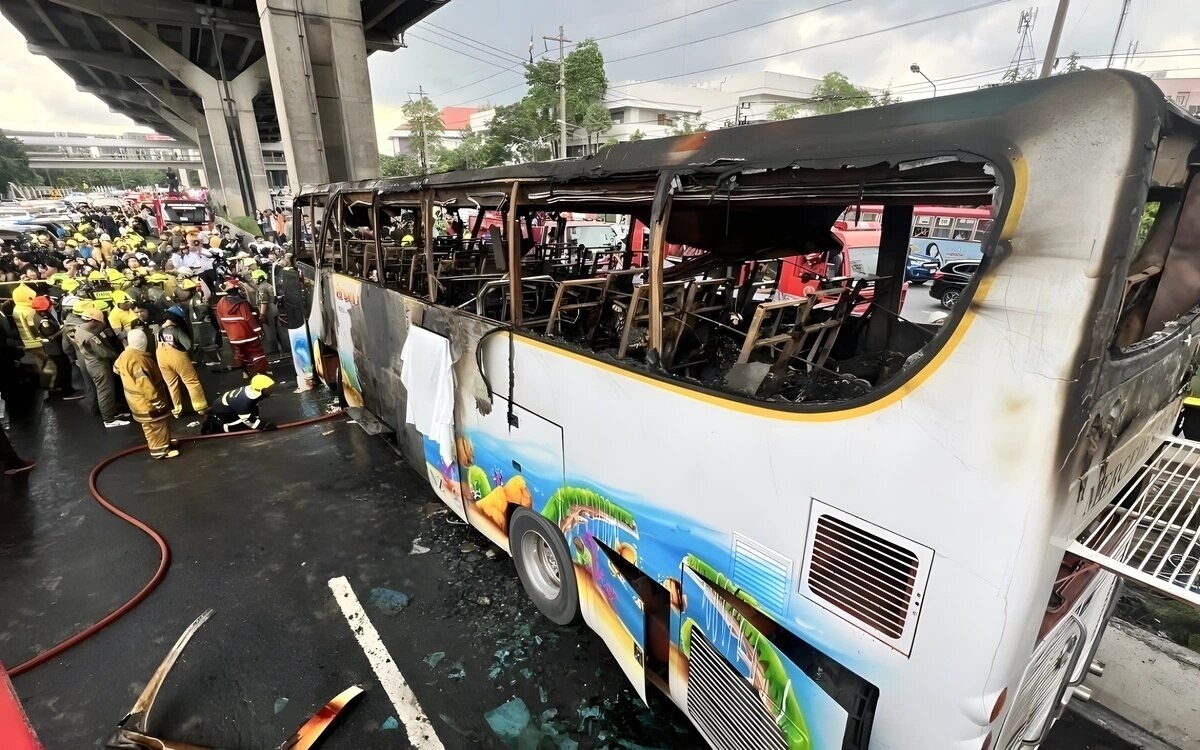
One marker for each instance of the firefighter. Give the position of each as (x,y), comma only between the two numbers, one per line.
(240,324)
(205,346)
(122,317)
(237,410)
(51,334)
(25,319)
(174,345)
(146,393)
(97,356)
(268,312)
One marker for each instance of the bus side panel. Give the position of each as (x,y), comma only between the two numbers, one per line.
(369,357)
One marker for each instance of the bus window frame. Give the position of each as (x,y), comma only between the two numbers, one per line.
(417,207)
(516,293)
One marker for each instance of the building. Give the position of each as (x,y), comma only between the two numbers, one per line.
(457,121)
(1183,91)
(657,109)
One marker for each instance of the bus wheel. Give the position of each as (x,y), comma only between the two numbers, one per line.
(544,565)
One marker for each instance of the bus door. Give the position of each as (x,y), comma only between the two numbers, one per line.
(515,455)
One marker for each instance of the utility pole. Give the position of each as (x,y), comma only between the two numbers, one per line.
(1117,36)
(1055,33)
(562,91)
(420,92)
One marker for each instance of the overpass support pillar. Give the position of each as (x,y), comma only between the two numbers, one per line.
(223,128)
(317,56)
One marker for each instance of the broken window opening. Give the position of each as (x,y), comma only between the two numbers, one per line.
(768,291)
(402,248)
(1162,284)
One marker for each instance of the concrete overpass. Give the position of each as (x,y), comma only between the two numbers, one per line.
(133,151)
(210,73)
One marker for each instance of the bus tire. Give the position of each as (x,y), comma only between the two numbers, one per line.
(544,565)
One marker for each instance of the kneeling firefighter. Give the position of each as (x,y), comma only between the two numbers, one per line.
(237,410)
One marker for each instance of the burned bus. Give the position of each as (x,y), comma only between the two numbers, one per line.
(715,477)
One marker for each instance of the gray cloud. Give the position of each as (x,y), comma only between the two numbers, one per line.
(980,40)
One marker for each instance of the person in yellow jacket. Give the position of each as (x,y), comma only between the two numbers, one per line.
(174,360)
(26,321)
(104,251)
(146,394)
(122,317)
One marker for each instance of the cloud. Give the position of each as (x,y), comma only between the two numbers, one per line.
(37,95)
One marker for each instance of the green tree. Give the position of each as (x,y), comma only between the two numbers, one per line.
(1016,75)
(637,135)
(687,124)
(96,177)
(401,165)
(533,128)
(425,129)
(1073,65)
(14,164)
(835,93)
(885,97)
(596,121)
(472,152)
(518,133)
(785,111)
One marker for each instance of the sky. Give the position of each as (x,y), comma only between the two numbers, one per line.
(448,57)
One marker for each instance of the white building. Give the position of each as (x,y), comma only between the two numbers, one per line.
(654,108)
(457,121)
(1183,91)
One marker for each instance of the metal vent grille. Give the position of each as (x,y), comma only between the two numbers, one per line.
(724,705)
(1034,707)
(762,572)
(863,575)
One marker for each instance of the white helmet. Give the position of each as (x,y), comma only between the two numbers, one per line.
(105,238)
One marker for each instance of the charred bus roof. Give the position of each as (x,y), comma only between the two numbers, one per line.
(988,124)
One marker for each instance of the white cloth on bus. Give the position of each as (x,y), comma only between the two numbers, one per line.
(427,372)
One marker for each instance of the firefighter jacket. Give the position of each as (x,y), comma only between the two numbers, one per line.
(176,336)
(24,317)
(237,320)
(93,350)
(145,391)
(237,410)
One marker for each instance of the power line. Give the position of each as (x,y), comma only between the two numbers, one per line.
(455,50)
(832,42)
(474,41)
(643,27)
(732,31)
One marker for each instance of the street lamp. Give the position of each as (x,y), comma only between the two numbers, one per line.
(917,69)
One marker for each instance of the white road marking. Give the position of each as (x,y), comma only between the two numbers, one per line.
(420,732)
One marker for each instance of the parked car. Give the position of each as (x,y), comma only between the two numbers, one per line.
(920,269)
(951,280)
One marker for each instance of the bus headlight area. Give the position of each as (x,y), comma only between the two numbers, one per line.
(650,444)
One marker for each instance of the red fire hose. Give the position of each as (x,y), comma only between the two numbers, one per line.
(164,551)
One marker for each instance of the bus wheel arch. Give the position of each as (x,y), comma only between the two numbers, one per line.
(544,565)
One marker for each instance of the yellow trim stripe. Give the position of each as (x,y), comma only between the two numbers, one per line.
(1192,401)
(773,413)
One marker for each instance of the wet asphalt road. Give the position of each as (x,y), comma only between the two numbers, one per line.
(258,526)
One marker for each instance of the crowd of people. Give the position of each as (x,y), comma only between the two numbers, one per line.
(127,323)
